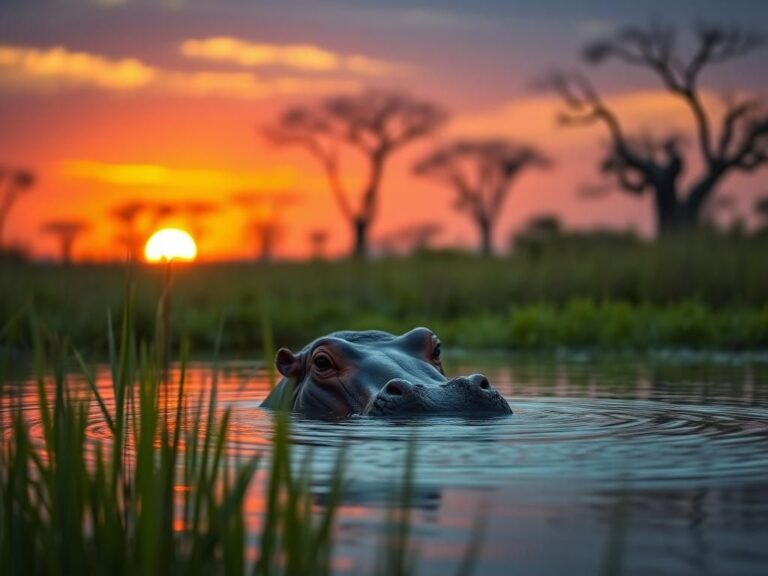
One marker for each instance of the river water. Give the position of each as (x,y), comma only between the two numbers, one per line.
(619,466)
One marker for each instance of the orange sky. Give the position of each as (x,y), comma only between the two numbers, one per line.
(173,113)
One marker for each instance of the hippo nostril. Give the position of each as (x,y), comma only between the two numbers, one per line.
(395,388)
(480,381)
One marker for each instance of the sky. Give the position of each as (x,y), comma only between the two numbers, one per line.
(116,101)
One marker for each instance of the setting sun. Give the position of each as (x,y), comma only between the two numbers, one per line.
(170,244)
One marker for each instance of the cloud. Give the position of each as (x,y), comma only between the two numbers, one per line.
(305,57)
(57,69)
(247,86)
(277,178)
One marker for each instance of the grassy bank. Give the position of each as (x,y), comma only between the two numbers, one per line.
(701,292)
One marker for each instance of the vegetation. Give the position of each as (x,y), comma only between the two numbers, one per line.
(562,290)
(162,494)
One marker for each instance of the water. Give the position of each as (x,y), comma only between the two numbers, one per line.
(605,467)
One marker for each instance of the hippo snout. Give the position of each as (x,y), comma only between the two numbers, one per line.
(465,395)
(376,373)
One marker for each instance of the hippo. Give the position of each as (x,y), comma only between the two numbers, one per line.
(375,373)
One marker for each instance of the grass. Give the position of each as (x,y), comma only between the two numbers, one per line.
(161,495)
(706,291)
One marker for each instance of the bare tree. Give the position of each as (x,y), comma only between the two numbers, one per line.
(127,216)
(267,234)
(265,211)
(13,184)
(197,212)
(482,173)
(66,232)
(376,124)
(317,241)
(158,212)
(656,166)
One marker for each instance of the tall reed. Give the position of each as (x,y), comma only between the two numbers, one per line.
(160,495)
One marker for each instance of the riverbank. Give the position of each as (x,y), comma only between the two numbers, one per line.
(711,293)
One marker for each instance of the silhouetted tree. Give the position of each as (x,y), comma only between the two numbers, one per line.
(656,166)
(267,234)
(197,212)
(66,232)
(13,183)
(482,173)
(265,210)
(376,124)
(127,216)
(317,241)
(158,212)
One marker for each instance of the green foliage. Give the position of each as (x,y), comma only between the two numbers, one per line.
(577,290)
(160,496)
(155,499)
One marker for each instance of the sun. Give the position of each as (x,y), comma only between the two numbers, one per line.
(170,244)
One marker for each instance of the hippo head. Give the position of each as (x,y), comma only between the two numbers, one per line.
(378,374)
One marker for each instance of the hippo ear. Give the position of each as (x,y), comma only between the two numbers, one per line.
(287,363)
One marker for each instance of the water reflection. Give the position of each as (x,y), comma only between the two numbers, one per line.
(639,467)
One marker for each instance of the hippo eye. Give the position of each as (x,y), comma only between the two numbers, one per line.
(436,352)
(322,362)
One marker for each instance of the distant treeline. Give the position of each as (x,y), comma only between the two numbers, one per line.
(691,291)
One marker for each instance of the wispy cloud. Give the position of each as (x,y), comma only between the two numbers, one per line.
(57,69)
(305,57)
(277,178)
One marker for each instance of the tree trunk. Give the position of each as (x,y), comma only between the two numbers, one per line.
(676,212)
(668,210)
(66,250)
(360,226)
(486,240)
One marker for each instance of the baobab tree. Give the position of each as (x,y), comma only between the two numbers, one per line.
(317,240)
(66,232)
(127,216)
(13,183)
(482,173)
(196,212)
(736,141)
(265,210)
(158,213)
(267,234)
(374,123)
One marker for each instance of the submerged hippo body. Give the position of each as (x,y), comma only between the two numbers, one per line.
(378,374)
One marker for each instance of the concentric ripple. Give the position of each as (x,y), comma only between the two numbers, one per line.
(677,455)
(650,443)
(553,436)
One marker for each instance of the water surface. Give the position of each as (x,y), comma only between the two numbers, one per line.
(620,466)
